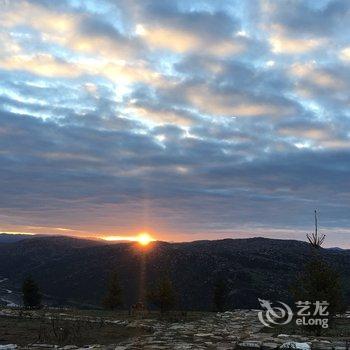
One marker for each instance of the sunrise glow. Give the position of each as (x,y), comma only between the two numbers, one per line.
(117,238)
(144,238)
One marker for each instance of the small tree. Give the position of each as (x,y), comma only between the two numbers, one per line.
(163,295)
(319,282)
(220,296)
(113,299)
(30,293)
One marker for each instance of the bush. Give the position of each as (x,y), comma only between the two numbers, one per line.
(113,299)
(163,295)
(220,294)
(31,294)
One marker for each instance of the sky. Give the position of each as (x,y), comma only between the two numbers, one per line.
(187,119)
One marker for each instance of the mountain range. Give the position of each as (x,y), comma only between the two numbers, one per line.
(10,238)
(72,271)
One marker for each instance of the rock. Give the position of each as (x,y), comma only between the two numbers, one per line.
(204,335)
(225,346)
(182,346)
(232,337)
(321,346)
(249,344)
(302,340)
(221,332)
(269,346)
(176,327)
(216,337)
(295,345)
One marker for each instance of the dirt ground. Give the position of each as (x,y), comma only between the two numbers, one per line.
(30,327)
(23,331)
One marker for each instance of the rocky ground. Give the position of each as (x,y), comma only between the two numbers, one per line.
(230,330)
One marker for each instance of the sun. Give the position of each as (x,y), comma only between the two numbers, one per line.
(144,238)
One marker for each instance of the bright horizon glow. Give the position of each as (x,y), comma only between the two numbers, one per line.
(117,238)
(144,238)
(19,233)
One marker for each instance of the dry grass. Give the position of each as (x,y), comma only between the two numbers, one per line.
(24,331)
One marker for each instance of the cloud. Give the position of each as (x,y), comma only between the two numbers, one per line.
(287,45)
(308,17)
(231,103)
(203,117)
(94,35)
(40,18)
(66,37)
(41,64)
(165,26)
(324,87)
(160,115)
(184,42)
(318,76)
(345,54)
(298,27)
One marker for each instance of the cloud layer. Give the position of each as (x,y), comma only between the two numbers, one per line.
(192,120)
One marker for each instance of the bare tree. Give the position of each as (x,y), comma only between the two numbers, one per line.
(314,238)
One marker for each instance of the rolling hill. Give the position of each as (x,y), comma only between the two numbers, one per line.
(75,271)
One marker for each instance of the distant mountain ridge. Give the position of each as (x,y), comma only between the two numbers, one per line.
(75,271)
(336,248)
(11,238)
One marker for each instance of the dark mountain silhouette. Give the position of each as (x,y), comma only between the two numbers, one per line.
(10,238)
(75,271)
